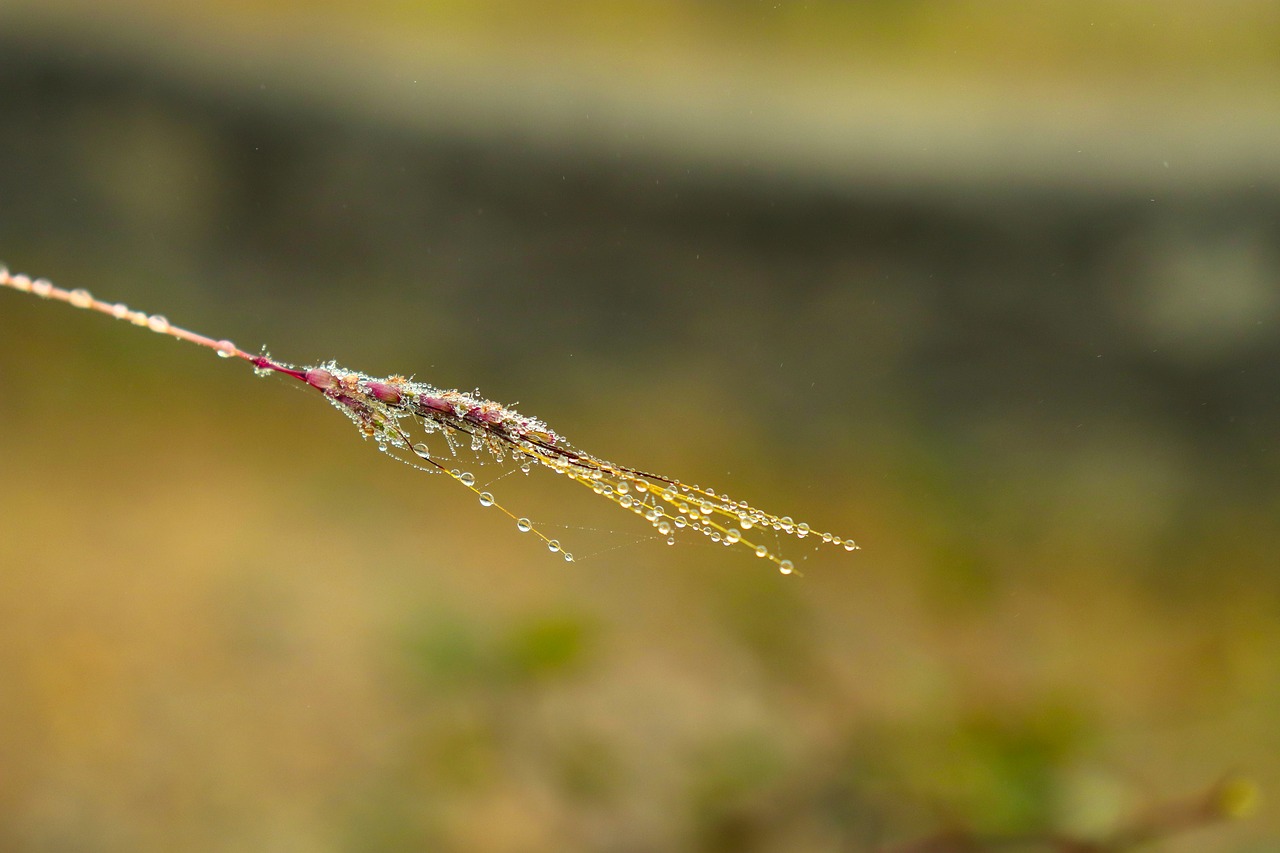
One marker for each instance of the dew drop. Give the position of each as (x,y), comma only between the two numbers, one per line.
(524,525)
(568,558)
(664,527)
(553,545)
(802,530)
(623,488)
(786,567)
(715,536)
(850,545)
(762,551)
(42,287)
(20,282)
(642,486)
(421,449)
(158,323)
(80,298)
(486,499)
(226,349)
(732,536)
(745,523)
(826,537)
(626,501)
(119,310)
(680,521)
(671,540)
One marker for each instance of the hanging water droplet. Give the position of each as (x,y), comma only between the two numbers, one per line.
(486,499)
(553,545)
(623,488)
(786,567)
(421,449)
(642,486)
(680,521)
(664,527)
(626,501)
(119,310)
(158,323)
(732,536)
(524,525)
(802,530)
(745,523)
(671,540)
(226,349)
(762,551)
(80,298)
(42,287)
(850,545)
(568,558)
(826,537)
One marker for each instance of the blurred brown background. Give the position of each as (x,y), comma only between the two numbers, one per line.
(991,287)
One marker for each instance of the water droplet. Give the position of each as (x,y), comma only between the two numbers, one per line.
(226,349)
(524,525)
(420,449)
(42,287)
(715,535)
(671,540)
(786,567)
(486,499)
(553,545)
(850,545)
(568,558)
(680,521)
(802,530)
(526,468)
(623,488)
(826,537)
(642,486)
(80,298)
(732,536)
(652,515)
(745,523)
(158,323)
(20,282)
(626,501)
(664,527)
(762,551)
(119,310)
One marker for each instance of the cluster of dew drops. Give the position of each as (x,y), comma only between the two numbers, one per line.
(382,407)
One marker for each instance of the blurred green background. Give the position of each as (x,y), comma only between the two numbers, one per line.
(992,287)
